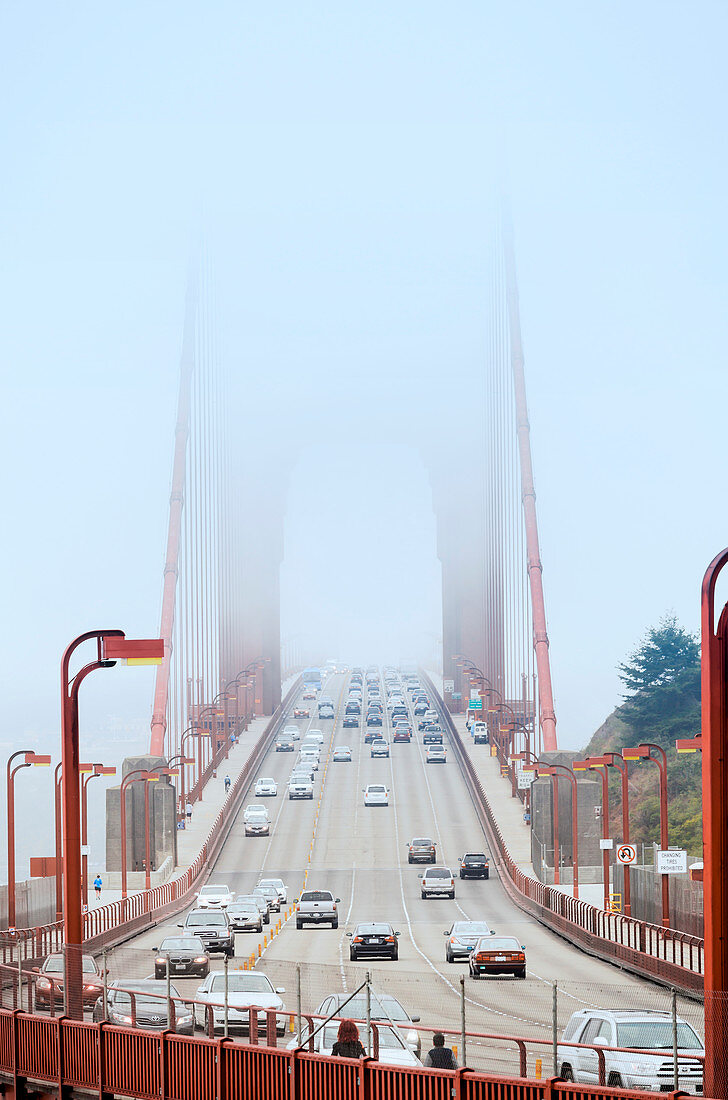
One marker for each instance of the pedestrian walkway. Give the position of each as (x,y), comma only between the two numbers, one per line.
(205,810)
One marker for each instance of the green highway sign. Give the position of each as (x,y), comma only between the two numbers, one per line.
(476,704)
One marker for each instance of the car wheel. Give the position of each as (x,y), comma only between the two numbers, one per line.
(614,1081)
(299,925)
(567,1073)
(424,895)
(486,875)
(452,894)
(409,859)
(334,924)
(448,957)
(352,956)
(462,875)
(395,956)
(521,973)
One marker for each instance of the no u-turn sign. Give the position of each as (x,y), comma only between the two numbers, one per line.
(626,853)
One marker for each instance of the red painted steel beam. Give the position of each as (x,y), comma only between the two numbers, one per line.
(176,505)
(528,494)
(714,736)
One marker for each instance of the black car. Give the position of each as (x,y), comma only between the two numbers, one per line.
(284,743)
(374,718)
(432,737)
(373,940)
(213,929)
(186,956)
(421,707)
(474,865)
(143,1003)
(351,722)
(353,707)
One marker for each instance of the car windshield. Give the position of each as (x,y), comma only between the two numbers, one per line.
(438,872)
(198,920)
(342,749)
(316,895)
(210,891)
(258,818)
(471,928)
(656,1035)
(54,965)
(501,943)
(181,943)
(376,790)
(241,983)
(267,782)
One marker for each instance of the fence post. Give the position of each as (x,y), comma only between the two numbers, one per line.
(225,1028)
(462,1020)
(369,1014)
(106,987)
(554,1029)
(298,1000)
(675,1066)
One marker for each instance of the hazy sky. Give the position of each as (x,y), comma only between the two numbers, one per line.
(339,161)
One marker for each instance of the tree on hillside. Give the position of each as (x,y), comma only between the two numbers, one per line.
(662,678)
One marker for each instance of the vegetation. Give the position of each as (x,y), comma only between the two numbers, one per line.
(661,704)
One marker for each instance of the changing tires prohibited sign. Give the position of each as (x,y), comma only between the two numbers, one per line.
(627,853)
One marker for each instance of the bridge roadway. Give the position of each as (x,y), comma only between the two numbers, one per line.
(360,853)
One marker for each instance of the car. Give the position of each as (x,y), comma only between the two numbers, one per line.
(302,712)
(371,734)
(393,1050)
(309,757)
(497,955)
(351,722)
(379,747)
(326,710)
(342,754)
(213,929)
(373,940)
(309,693)
(300,786)
(253,809)
(244,989)
(437,881)
(266,788)
(315,735)
(638,1029)
(382,1006)
(479,730)
(375,794)
(270,893)
(374,718)
(144,1004)
(185,954)
(432,737)
(420,708)
(402,733)
(474,865)
(257,900)
(277,884)
(245,916)
(214,896)
(353,707)
(49,983)
(292,731)
(462,937)
(421,850)
(427,719)
(284,743)
(436,754)
(399,714)
(317,907)
(257,824)
(312,747)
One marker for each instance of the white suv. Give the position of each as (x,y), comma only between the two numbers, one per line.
(439,881)
(643,1031)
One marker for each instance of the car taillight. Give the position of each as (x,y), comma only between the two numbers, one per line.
(390,939)
(520,957)
(334,905)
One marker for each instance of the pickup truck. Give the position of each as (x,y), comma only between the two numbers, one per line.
(317,907)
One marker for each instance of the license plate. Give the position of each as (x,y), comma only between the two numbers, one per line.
(500,958)
(179,966)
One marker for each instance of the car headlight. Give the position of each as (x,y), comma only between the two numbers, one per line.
(412,1036)
(186,1019)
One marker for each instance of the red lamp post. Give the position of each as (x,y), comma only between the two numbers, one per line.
(557,770)
(93,772)
(111,645)
(29,759)
(644,751)
(599,764)
(616,760)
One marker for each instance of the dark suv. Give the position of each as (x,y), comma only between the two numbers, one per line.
(213,929)
(474,865)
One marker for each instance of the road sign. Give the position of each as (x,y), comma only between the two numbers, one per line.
(525,779)
(673,861)
(448,685)
(457,695)
(606,845)
(476,704)
(626,853)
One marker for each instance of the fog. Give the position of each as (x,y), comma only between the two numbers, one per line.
(338,168)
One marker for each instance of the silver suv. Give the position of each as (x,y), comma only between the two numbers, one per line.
(438,881)
(643,1031)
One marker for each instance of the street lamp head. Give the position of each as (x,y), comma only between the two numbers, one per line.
(640,753)
(37,761)
(688,745)
(580,765)
(101,769)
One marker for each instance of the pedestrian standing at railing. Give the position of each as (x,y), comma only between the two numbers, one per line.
(348,1044)
(440,1057)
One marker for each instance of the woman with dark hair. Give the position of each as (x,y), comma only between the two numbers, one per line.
(347,1044)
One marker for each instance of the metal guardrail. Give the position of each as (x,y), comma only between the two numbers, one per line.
(115,922)
(665,955)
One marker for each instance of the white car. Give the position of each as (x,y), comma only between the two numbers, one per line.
(342,754)
(266,788)
(380,747)
(436,754)
(393,1050)
(439,881)
(245,988)
(253,810)
(376,794)
(315,735)
(646,1031)
(300,786)
(214,896)
(310,757)
(292,731)
(277,884)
